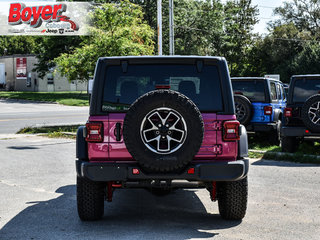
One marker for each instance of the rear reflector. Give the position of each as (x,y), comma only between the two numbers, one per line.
(191,171)
(162,86)
(231,131)
(267,110)
(94,132)
(288,112)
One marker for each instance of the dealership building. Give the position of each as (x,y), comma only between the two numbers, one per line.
(17,74)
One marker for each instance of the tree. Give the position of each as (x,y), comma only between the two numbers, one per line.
(50,47)
(308,60)
(208,27)
(240,18)
(276,52)
(118,30)
(10,45)
(292,46)
(304,14)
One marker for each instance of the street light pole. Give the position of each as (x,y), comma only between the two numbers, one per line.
(159,21)
(171,28)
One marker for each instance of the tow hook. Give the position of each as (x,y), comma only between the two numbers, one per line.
(213,191)
(110,188)
(109,191)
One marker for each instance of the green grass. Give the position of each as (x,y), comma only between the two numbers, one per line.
(255,154)
(65,98)
(306,153)
(52,132)
(292,157)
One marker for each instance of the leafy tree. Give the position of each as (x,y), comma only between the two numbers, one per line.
(17,45)
(240,18)
(50,47)
(118,30)
(208,27)
(305,14)
(308,60)
(276,52)
(292,46)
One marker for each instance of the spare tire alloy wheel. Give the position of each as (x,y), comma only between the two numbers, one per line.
(243,109)
(163,130)
(240,111)
(314,113)
(311,113)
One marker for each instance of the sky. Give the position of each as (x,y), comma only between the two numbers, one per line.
(266,8)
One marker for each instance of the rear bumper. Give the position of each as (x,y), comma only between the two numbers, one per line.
(218,171)
(259,127)
(298,132)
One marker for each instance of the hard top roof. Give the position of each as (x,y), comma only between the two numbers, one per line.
(163,57)
(254,78)
(306,76)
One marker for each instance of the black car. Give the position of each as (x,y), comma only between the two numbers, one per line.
(301,120)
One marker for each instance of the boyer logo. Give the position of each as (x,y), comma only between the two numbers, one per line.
(34,16)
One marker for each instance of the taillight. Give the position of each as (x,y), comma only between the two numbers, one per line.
(231,131)
(94,132)
(267,110)
(288,112)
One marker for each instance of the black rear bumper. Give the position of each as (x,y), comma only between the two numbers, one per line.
(261,127)
(217,171)
(298,132)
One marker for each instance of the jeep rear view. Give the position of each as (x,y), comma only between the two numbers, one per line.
(162,123)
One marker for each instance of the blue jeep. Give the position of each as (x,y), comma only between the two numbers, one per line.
(260,103)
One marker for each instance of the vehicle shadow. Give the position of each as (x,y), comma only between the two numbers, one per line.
(264,162)
(133,214)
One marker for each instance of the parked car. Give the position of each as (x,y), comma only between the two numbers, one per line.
(89,89)
(286,88)
(259,104)
(302,114)
(162,123)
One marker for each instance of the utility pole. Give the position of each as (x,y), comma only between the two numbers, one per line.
(171,28)
(159,18)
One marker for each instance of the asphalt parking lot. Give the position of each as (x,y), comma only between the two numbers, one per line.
(37,185)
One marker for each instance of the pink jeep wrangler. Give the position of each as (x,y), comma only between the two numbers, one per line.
(162,123)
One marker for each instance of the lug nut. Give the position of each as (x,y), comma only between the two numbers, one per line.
(159,125)
(163,137)
(167,125)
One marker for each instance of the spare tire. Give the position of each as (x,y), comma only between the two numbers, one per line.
(310,113)
(163,131)
(243,109)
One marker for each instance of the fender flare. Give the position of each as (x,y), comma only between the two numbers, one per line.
(81,144)
(243,142)
(277,115)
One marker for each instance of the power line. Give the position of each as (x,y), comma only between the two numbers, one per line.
(254,37)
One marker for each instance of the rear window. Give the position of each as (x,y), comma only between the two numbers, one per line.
(254,90)
(305,88)
(121,89)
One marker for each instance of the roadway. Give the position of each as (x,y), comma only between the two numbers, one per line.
(17,114)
